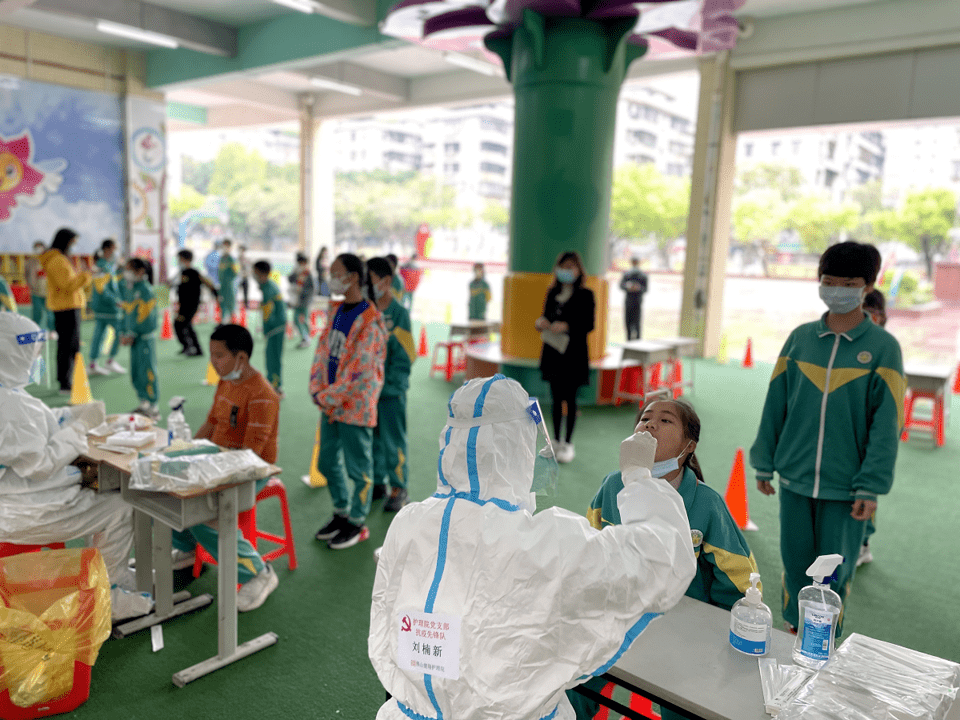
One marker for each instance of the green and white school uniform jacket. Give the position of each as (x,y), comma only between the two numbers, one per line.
(724,560)
(834,411)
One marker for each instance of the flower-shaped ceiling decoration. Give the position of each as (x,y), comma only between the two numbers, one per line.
(665,27)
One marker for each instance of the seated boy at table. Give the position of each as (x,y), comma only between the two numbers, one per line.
(245,415)
(724,561)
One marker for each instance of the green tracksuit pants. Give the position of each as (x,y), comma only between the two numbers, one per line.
(143,367)
(228,304)
(390,442)
(39,312)
(274,357)
(248,559)
(810,528)
(351,446)
(301,323)
(100,326)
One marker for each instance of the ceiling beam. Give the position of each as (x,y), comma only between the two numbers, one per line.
(373,82)
(250,92)
(843,32)
(355,12)
(189,30)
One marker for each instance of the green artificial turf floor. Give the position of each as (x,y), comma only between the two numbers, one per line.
(319,667)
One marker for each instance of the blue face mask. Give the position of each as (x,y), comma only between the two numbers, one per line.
(567,277)
(665,467)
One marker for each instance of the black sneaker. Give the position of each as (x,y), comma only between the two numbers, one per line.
(332,528)
(349,536)
(396,501)
(379,492)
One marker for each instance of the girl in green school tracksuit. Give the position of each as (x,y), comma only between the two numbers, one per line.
(106,304)
(390,435)
(724,560)
(140,333)
(274,323)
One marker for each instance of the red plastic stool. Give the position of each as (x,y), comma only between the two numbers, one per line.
(935,425)
(456,359)
(8,549)
(247,520)
(640,704)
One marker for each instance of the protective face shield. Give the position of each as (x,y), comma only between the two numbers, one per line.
(841,300)
(22,344)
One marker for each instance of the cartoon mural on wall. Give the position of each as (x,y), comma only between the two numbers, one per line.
(146,172)
(61,165)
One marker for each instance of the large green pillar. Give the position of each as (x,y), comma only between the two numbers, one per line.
(566,74)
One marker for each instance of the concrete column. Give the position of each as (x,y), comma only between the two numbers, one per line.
(316,183)
(711,195)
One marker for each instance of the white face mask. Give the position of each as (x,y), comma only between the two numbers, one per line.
(338,286)
(235,373)
(129,277)
(840,300)
(378,292)
(665,467)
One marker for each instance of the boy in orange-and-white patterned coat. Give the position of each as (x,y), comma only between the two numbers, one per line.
(345,382)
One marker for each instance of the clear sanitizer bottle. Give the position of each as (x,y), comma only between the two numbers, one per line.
(177,427)
(751,623)
(819,614)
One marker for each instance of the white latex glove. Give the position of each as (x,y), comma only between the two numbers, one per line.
(636,453)
(91,414)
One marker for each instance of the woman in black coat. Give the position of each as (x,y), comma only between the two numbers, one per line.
(568,313)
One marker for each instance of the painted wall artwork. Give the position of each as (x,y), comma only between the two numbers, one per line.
(61,165)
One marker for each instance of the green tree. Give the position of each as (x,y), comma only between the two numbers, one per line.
(197,174)
(185,201)
(787,180)
(821,221)
(757,219)
(495,214)
(236,168)
(645,203)
(923,222)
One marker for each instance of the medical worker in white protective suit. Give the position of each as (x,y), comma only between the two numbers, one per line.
(541,600)
(41,499)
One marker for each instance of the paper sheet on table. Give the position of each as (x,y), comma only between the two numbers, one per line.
(558,341)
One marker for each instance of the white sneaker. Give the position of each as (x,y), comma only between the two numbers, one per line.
(126,604)
(254,592)
(147,410)
(565,453)
(865,555)
(116,367)
(95,369)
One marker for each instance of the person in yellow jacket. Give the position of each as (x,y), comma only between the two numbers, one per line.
(65,299)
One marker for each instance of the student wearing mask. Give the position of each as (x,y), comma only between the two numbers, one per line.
(479,294)
(301,292)
(105,302)
(724,560)
(345,382)
(227,273)
(189,288)
(831,425)
(37,283)
(245,415)
(390,434)
(65,299)
(274,323)
(140,333)
(568,316)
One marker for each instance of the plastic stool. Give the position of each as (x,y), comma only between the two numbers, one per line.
(935,425)
(455,362)
(247,521)
(8,549)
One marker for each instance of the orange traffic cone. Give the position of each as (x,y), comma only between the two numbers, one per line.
(748,357)
(166,332)
(424,348)
(736,497)
(956,382)
(316,478)
(80,389)
(212,377)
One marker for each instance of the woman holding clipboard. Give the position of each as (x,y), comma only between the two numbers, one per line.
(568,317)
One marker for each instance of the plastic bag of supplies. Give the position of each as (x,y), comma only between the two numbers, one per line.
(55,612)
(198,465)
(869,679)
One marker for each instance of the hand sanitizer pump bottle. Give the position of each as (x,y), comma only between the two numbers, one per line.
(820,609)
(177,426)
(751,623)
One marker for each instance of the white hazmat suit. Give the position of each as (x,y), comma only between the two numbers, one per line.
(542,600)
(41,499)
